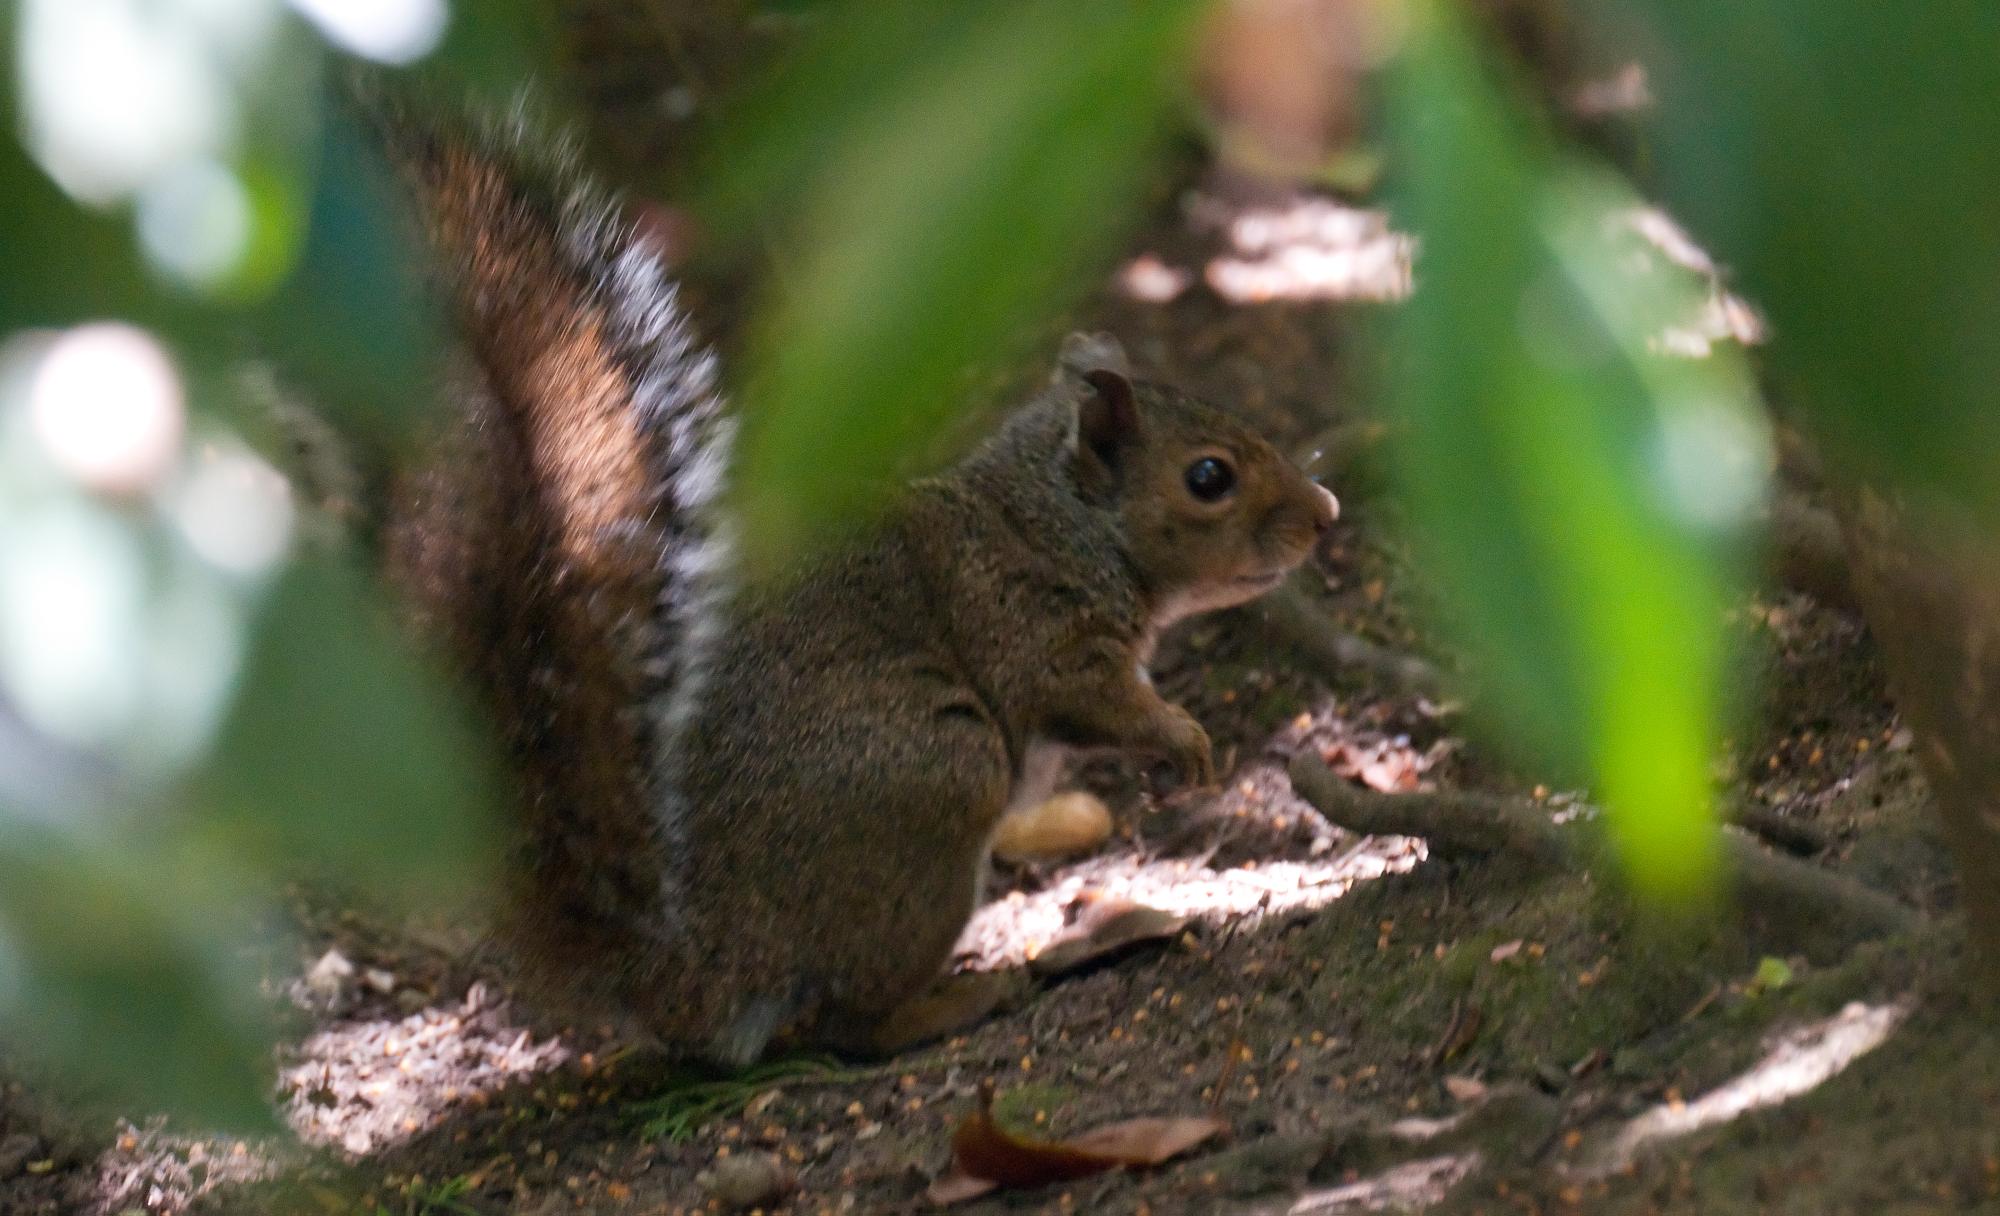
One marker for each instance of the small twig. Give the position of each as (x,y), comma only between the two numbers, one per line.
(1701,1006)
(1227,1074)
(1459,1032)
(1335,654)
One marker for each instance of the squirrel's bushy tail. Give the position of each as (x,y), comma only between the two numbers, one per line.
(560,533)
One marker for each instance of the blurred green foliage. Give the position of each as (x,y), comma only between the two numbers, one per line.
(142,837)
(938,176)
(100,273)
(1840,156)
(336,722)
(350,317)
(931,180)
(133,962)
(1580,499)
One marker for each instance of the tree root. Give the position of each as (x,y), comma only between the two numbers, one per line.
(1292,618)
(1807,903)
(1794,836)
(1454,822)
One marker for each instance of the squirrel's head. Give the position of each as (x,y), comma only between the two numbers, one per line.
(1212,514)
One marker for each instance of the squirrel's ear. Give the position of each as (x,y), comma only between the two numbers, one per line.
(1083,353)
(1107,419)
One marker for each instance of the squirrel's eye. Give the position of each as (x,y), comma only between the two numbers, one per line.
(1209,478)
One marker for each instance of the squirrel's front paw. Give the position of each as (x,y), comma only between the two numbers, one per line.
(1188,750)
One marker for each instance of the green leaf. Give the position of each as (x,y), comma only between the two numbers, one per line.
(1577,498)
(1771,975)
(64,264)
(814,104)
(132,971)
(962,188)
(493,47)
(341,748)
(1839,155)
(353,320)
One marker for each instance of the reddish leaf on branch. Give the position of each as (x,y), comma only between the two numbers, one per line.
(1107,929)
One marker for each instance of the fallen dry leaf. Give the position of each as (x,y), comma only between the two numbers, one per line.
(1148,1141)
(955,1187)
(1392,774)
(1465,1089)
(985,1156)
(1109,927)
(1386,766)
(981,1148)
(947,1006)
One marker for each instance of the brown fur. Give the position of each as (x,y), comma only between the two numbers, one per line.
(801,853)
(521,542)
(870,721)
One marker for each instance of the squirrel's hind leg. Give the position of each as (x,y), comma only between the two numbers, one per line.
(742,1042)
(745,1038)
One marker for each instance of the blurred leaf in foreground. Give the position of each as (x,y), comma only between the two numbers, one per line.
(187,716)
(491,46)
(355,321)
(352,322)
(1840,155)
(341,751)
(127,967)
(1578,497)
(961,186)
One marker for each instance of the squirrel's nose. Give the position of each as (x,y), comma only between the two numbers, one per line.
(1329,509)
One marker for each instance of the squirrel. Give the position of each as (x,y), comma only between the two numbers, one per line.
(760,811)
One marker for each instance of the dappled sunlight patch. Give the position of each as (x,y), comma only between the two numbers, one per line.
(1721,316)
(147,1169)
(1012,930)
(1305,248)
(1798,1062)
(1152,280)
(1310,249)
(1254,849)
(363,1083)
(1409,1187)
